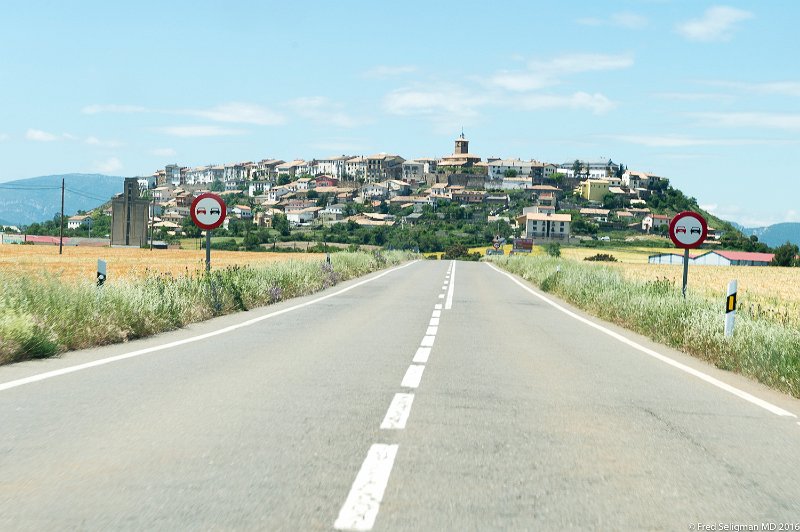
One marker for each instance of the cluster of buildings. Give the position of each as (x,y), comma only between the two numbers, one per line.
(278,186)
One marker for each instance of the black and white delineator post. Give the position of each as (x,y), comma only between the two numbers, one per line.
(730,308)
(101,272)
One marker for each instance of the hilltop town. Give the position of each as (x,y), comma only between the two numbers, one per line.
(424,204)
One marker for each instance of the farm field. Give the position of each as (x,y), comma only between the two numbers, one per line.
(80,263)
(763,291)
(628,255)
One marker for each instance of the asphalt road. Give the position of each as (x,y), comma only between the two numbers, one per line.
(437,396)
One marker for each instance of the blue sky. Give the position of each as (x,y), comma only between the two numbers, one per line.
(705,94)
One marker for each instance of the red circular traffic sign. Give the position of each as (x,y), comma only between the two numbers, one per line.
(208,211)
(688,230)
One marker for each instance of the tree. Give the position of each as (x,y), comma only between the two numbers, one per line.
(576,168)
(786,255)
(510,173)
(281,224)
(284,179)
(217,186)
(553,249)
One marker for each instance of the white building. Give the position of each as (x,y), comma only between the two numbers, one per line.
(81,220)
(596,169)
(545,225)
(333,166)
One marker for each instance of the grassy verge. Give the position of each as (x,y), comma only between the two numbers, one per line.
(761,348)
(42,318)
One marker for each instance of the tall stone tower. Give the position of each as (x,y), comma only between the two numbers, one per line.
(129,216)
(462,145)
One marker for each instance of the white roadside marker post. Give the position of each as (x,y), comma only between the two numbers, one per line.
(101,272)
(730,308)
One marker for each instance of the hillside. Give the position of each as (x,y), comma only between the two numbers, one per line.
(37,199)
(775,235)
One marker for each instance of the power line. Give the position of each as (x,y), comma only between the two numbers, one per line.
(85,195)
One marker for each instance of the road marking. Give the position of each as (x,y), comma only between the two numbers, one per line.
(444,287)
(360,509)
(432,331)
(446,282)
(427,341)
(398,412)
(413,376)
(72,369)
(422,354)
(434,321)
(441,296)
(449,303)
(663,358)
(438,306)
(436,314)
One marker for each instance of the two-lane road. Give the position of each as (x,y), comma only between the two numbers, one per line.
(436,396)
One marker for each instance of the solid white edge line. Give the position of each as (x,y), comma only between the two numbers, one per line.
(72,369)
(663,358)
(449,302)
(427,341)
(360,509)
(422,354)
(413,376)
(399,409)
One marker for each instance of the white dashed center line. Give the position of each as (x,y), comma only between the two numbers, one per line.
(422,354)
(398,412)
(364,500)
(413,376)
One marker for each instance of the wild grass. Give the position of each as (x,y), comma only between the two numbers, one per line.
(761,348)
(42,317)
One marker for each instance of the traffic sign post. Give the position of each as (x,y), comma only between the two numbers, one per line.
(208,211)
(687,230)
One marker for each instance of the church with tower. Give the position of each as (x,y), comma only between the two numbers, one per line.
(461,157)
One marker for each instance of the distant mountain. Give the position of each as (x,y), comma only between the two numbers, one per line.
(38,199)
(774,235)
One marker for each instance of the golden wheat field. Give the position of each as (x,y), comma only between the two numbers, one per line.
(78,263)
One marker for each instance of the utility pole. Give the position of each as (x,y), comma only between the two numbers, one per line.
(152,219)
(61,220)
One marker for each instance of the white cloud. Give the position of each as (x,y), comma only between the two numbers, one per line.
(384,71)
(343,146)
(94,141)
(596,103)
(321,110)
(3,137)
(749,120)
(164,152)
(233,112)
(782,88)
(624,19)
(448,100)
(108,166)
(199,131)
(678,141)
(112,108)
(40,136)
(694,96)
(577,63)
(735,213)
(239,113)
(629,20)
(545,73)
(716,24)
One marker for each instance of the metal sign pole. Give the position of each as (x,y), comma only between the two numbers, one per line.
(208,251)
(685,270)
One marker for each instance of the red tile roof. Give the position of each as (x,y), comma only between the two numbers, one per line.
(745,255)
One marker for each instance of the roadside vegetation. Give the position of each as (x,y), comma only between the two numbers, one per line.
(764,347)
(44,317)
